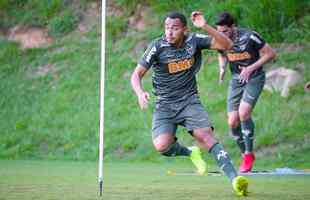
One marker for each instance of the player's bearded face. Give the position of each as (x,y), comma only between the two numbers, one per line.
(174,31)
(226,30)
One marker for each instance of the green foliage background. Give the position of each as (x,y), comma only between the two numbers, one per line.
(55,115)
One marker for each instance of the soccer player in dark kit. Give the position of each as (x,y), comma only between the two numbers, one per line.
(246,59)
(175,58)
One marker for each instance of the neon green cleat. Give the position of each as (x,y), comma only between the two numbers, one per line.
(197,160)
(240,185)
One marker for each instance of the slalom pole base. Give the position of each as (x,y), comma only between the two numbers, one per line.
(100,188)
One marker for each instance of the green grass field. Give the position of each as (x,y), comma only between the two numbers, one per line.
(54,115)
(146,181)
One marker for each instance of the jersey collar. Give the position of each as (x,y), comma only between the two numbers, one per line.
(166,44)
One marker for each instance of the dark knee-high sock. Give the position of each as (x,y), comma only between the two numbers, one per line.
(176,149)
(247,127)
(223,161)
(237,135)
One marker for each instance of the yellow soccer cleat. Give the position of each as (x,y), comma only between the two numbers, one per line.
(197,160)
(240,185)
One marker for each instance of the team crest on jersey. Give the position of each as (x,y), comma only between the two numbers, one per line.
(189,50)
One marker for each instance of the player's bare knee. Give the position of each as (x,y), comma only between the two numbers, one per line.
(167,148)
(245,111)
(244,114)
(162,143)
(161,146)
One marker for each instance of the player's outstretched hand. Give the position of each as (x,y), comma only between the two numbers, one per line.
(198,19)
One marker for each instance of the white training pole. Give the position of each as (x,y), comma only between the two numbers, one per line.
(102,78)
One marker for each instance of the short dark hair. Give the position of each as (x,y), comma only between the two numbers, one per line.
(177,15)
(225,18)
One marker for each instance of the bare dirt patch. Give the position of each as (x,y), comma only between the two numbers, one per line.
(29,37)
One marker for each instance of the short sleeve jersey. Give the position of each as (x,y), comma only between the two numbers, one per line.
(245,51)
(174,69)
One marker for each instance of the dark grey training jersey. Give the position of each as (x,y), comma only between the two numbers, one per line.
(245,51)
(175,68)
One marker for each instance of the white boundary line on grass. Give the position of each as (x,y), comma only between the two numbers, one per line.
(217,173)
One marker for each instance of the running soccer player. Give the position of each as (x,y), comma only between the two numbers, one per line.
(246,59)
(175,58)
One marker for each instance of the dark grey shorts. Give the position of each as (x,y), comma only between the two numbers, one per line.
(190,114)
(248,92)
